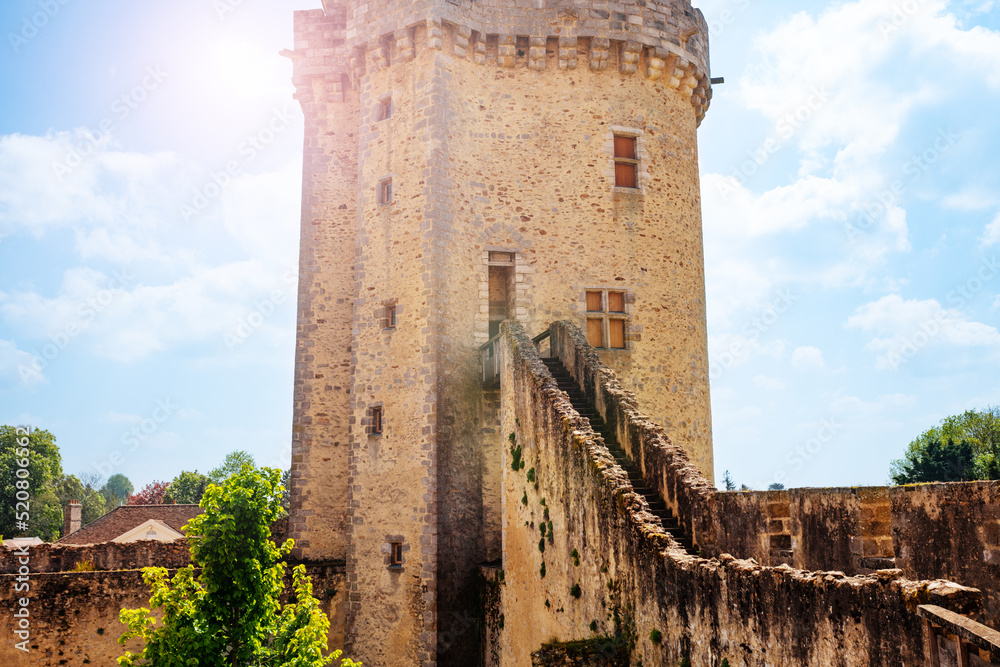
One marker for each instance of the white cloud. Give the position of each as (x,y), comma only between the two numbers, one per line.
(769,383)
(991,234)
(121,418)
(839,117)
(187,281)
(808,358)
(129,323)
(728,351)
(974,198)
(904,327)
(16,364)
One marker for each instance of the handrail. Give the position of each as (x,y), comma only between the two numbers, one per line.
(540,337)
(489,356)
(488,344)
(971,632)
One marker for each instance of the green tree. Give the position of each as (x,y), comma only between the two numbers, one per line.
(46,515)
(980,428)
(775,486)
(727,482)
(94,504)
(187,488)
(937,462)
(40,456)
(93,508)
(116,490)
(232,464)
(229,612)
(69,487)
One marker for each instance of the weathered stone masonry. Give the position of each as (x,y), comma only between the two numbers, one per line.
(492,125)
(73,613)
(605,543)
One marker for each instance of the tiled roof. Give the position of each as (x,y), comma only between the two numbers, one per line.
(126,517)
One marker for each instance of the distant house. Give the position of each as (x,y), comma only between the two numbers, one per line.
(129,523)
(18,542)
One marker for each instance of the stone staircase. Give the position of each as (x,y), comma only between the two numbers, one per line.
(656,505)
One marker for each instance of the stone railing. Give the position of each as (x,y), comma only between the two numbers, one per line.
(602,554)
(953,639)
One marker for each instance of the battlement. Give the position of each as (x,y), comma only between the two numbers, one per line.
(666,42)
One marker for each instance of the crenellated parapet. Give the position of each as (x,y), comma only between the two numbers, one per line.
(662,40)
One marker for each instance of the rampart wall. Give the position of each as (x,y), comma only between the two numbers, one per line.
(949,530)
(605,557)
(73,615)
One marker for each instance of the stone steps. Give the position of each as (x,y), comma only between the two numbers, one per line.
(657,507)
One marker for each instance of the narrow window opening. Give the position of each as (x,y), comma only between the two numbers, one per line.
(626,162)
(501,294)
(385,108)
(385,191)
(396,554)
(390,317)
(377,420)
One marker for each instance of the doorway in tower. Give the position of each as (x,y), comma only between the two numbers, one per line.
(501,289)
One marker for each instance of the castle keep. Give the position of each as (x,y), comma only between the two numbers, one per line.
(469,162)
(502,447)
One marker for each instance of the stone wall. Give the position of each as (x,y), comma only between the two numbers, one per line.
(929,531)
(608,567)
(951,530)
(73,615)
(321,414)
(104,556)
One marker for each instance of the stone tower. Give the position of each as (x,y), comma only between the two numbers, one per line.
(468,161)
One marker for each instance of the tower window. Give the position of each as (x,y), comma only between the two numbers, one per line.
(626,162)
(377,420)
(395,554)
(385,191)
(384,111)
(606,318)
(390,317)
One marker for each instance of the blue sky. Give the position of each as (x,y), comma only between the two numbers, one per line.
(150,158)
